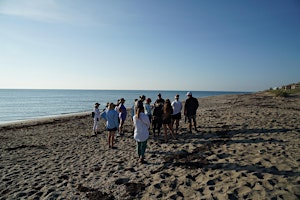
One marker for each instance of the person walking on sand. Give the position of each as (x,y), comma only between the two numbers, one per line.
(96,117)
(122,115)
(141,133)
(190,109)
(166,119)
(176,116)
(112,123)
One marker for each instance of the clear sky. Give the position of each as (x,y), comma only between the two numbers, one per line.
(217,45)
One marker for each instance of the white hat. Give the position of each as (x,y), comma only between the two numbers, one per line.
(188,94)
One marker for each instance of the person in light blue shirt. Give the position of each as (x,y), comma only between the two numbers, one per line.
(112,123)
(148,108)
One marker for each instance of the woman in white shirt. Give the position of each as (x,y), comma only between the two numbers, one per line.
(141,134)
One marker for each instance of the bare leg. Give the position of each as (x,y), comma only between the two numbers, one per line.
(195,124)
(176,125)
(165,132)
(112,139)
(108,138)
(172,132)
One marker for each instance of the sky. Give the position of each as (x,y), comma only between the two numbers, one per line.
(199,45)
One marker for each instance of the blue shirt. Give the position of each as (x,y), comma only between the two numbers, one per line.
(112,119)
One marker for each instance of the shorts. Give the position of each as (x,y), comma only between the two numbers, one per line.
(122,117)
(111,129)
(176,116)
(190,118)
(167,120)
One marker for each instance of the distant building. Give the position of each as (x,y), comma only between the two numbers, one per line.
(291,86)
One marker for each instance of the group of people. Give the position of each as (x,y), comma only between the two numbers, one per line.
(115,116)
(163,113)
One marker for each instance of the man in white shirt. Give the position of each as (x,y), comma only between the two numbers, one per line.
(176,116)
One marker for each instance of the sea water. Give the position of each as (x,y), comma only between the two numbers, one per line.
(23,104)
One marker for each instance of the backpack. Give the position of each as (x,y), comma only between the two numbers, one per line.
(93,114)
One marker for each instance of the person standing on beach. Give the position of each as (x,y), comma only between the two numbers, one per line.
(159,99)
(139,102)
(190,109)
(166,119)
(122,115)
(148,109)
(141,133)
(157,119)
(96,118)
(176,116)
(112,123)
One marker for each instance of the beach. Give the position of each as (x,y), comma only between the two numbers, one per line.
(246,147)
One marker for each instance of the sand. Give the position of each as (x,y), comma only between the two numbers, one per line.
(246,147)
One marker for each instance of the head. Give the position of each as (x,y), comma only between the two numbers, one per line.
(189,94)
(139,110)
(177,96)
(148,100)
(143,97)
(167,105)
(159,95)
(122,100)
(111,106)
(97,105)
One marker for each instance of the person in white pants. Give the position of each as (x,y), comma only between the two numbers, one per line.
(96,119)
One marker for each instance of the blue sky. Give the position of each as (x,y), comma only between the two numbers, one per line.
(216,45)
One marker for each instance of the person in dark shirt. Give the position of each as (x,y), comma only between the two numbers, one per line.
(157,119)
(159,99)
(190,109)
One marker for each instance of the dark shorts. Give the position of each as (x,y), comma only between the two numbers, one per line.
(156,120)
(111,129)
(122,117)
(167,120)
(176,116)
(190,118)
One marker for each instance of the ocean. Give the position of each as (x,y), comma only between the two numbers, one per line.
(24,104)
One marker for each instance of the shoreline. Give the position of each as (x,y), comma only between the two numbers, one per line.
(247,147)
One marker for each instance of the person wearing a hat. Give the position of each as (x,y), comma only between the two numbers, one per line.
(176,116)
(122,115)
(190,109)
(96,118)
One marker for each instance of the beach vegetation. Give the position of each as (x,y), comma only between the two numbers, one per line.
(284,93)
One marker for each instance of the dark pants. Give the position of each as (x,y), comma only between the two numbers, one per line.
(141,148)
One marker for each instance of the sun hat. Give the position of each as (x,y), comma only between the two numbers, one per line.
(188,94)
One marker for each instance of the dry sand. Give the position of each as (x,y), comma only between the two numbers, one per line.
(247,147)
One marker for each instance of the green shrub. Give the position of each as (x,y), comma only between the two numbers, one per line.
(281,93)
